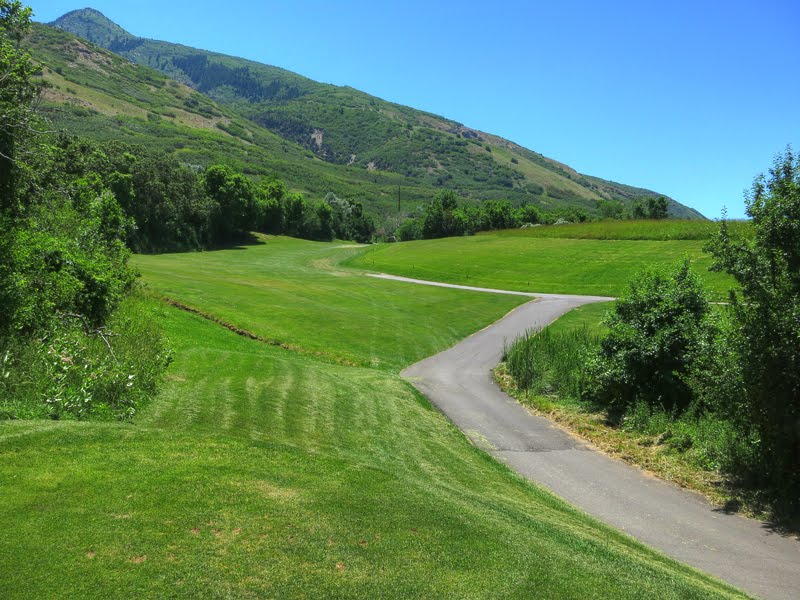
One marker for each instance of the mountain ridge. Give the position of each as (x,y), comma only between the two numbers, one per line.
(346,127)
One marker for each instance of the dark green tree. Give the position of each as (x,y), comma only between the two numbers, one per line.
(766,322)
(235,197)
(657,208)
(651,342)
(17,92)
(439,219)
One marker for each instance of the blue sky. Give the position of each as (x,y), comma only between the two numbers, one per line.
(691,99)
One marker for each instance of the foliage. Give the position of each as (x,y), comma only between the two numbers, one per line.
(653,337)
(17,92)
(550,362)
(76,371)
(765,330)
(650,208)
(63,268)
(444,217)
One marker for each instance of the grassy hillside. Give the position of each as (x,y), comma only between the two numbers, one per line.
(370,136)
(262,472)
(532,261)
(98,94)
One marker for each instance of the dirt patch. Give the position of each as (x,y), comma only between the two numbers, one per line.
(317,137)
(85,56)
(137,560)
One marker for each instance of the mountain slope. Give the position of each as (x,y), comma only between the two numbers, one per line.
(346,127)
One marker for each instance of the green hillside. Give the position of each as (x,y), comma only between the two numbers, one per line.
(96,93)
(366,139)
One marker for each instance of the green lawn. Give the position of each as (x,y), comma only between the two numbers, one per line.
(292,291)
(537,264)
(265,472)
(261,472)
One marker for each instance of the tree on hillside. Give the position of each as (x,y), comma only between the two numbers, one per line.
(766,317)
(610,209)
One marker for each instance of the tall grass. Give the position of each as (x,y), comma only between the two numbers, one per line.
(73,373)
(552,362)
(656,230)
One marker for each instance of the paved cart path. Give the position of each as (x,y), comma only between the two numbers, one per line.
(682,524)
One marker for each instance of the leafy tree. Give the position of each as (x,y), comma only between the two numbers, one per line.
(293,214)
(409,230)
(657,208)
(610,209)
(766,321)
(652,340)
(235,198)
(529,214)
(17,92)
(439,219)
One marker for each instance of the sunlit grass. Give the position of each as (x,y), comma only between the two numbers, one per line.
(293,292)
(259,472)
(517,261)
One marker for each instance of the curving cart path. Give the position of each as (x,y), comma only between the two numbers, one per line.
(682,524)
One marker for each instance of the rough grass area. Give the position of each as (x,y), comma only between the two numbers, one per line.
(534,264)
(654,230)
(259,472)
(293,292)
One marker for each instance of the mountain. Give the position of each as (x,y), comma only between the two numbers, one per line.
(319,136)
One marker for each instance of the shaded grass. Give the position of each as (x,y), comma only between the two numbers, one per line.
(293,292)
(260,472)
(517,262)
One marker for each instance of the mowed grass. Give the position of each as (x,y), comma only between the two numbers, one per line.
(515,261)
(293,292)
(261,472)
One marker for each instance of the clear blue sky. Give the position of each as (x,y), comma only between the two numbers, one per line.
(691,99)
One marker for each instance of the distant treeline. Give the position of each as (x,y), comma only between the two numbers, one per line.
(444,217)
(176,207)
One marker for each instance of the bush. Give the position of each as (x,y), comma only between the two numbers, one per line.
(75,371)
(654,335)
(409,230)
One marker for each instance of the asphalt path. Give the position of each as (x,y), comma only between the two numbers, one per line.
(682,524)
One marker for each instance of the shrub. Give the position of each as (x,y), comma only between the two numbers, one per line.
(75,371)
(653,339)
